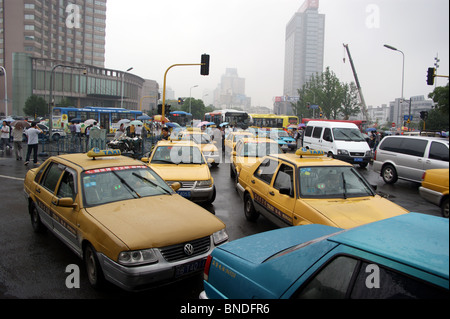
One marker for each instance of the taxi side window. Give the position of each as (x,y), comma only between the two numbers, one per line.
(266,170)
(67,186)
(284,178)
(51,177)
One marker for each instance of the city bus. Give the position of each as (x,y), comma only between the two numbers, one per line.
(107,117)
(362,124)
(273,121)
(180,117)
(232,117)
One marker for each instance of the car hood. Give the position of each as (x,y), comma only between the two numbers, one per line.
(182,172)
(208,148)
(156,221)
(352,146)
(352,212)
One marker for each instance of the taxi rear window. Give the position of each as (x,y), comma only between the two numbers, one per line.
(177,155)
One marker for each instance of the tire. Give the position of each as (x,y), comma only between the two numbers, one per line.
(213,197)
(93,269)
(445,207)
(363,165)
(36,222)
(232,174)
(389,174)
(249,209)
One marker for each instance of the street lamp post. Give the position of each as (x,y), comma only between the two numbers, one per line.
(50,107)
(190,98)
(403,80)
(123,77)
(6,91)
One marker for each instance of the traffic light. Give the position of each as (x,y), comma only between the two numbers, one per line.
(424,115)
(180,101)
(167,109)
(204,69)
(430,76)
(321,114)
(159,108)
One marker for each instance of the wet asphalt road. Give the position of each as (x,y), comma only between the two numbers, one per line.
(33,266)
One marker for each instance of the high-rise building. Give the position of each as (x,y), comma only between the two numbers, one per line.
(304,50)
(230,93)
(68,31)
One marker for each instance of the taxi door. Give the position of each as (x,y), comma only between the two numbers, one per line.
(260,182)
(281,193)
(44,192)
(66,223)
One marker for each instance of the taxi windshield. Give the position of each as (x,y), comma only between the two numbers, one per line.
(177,155)
(332,182)
(259,149)
(198,138)
(106,185)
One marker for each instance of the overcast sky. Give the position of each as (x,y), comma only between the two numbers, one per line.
(249,35)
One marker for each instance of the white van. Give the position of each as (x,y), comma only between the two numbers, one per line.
(339,140)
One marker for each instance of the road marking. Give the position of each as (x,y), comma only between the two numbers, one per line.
(14,178)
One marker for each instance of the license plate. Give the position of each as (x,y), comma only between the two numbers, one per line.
(358,159)
(185,194)
(197,265)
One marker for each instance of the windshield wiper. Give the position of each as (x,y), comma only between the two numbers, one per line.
(126,184)
(151,182)
(345,185)
(162,161)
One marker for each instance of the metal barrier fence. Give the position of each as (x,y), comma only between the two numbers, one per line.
(83,144)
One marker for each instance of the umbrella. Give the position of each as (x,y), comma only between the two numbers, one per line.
(224,124)
(371,129)
(9,120)
(159,117)
(21,124)
(123,121)
(173,125)
(206,123)
(136,123)
(89,122)
(301,125)
(292,126)
(144,117)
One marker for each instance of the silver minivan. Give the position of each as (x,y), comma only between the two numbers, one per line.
(408,157)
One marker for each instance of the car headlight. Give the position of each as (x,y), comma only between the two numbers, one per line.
(207,183)
(368,153)
(137,257)
(220,237)
(342,152)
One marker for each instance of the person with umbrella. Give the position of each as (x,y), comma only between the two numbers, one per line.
(17,135)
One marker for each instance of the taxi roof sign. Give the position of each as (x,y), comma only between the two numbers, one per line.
(96,152)
(309,152)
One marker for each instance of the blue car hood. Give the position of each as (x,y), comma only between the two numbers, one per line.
(259,247)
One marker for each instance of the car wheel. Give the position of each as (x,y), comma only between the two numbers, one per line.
(36,222)
(56,137)
(232,174)
(249,209)
(363,165)
(93,268)
(389,174)
(444,207)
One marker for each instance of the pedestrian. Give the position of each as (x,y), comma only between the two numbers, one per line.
(17,134)
(138,130)
(165,133)
(33,143)
(5,130)
(78,130)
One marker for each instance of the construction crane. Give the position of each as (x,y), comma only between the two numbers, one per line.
(361,97)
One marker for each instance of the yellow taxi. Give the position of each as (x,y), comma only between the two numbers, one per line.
(309,188)
(183,162)
(248,150)
(434,188)
(232,138)
(203,139)
(121,218)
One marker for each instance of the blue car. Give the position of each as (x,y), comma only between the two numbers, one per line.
(282,138)
(406,256)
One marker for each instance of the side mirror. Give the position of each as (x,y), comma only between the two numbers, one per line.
(233,153)
(176,186)
(65,202)
(285,191)
(145,159)
(210,160)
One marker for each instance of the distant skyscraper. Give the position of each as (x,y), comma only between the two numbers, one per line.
(305,35)
(60,30)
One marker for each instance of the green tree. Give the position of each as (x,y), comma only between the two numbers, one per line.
(438,118)
(197,108)
(35,106)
